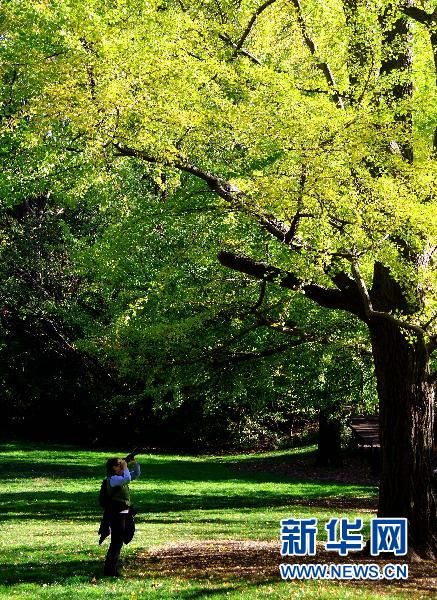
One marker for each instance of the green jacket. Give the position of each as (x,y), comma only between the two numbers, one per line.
(119,494)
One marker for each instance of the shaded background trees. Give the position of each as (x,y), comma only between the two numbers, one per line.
(103,331)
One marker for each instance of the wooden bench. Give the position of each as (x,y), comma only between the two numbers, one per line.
(365,431)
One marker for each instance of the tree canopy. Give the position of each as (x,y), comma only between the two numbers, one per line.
(301,134)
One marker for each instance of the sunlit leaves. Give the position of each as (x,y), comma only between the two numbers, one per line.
(80,79)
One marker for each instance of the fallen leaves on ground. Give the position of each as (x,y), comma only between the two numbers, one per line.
(258,561)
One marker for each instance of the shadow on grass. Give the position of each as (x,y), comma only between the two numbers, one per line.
(353,470)
(91,571)
(82,506)
(49,572)
(240,565)
(285,467)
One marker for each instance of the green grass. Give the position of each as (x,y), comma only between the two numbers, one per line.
(49,514)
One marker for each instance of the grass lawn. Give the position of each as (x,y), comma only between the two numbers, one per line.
(208,527)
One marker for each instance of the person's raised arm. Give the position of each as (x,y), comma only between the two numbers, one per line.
(115,480)
(134,469)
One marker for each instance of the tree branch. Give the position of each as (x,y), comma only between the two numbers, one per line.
(326,297)
(262,295)
(431,346)
(235,357)
(223,188)
(322,65)
(250,25)
(307,337)
(283,327)
(289,236)
(372,314)
(243,51)
(419,15)
(430,321)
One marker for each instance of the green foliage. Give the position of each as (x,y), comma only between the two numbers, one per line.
(177,324)
(161,79)
(80,80)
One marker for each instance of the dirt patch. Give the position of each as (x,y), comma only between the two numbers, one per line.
(354,470)
(259,562)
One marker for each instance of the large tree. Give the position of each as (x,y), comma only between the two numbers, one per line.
(311,122)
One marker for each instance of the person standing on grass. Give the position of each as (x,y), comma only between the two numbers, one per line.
(118,518)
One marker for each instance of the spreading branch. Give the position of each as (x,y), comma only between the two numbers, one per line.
(343,298)
(242,356)
(326,297)
(289,236)
(250,25)
(419,15)
(322,65)
(226,190)
(221,187)
(371,313)
(262,295)
(430,321)
(225,38)
(234,196)
(297,332)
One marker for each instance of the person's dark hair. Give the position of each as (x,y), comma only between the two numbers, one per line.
(110,463)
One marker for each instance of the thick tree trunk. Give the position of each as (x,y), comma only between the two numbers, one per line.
(406,421)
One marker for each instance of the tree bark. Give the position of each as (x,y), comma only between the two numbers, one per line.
(406,397)
(406,400)
(329,443)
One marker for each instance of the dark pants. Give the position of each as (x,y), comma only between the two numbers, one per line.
(118,528)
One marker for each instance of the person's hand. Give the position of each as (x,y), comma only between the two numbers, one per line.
(124,464)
